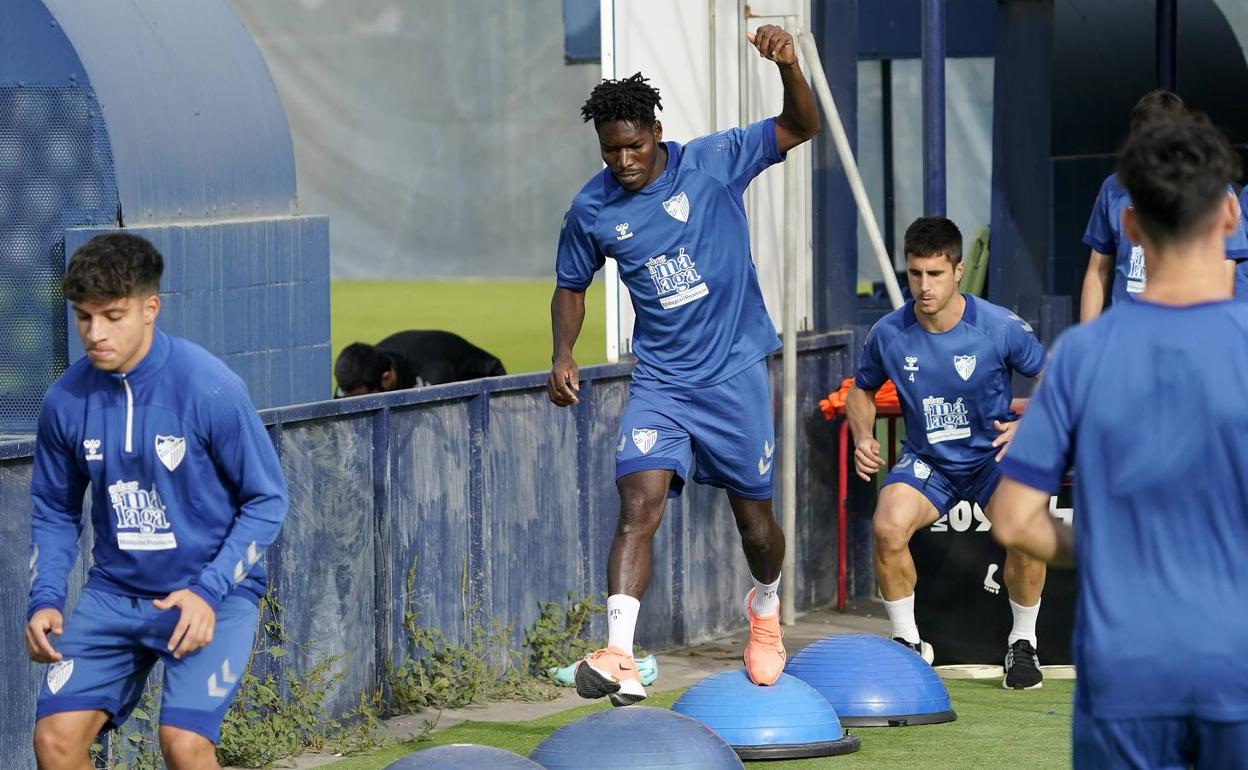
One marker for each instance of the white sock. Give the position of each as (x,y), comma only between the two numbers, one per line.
(901,615)
(1024,623)
(621,621)
(766,601)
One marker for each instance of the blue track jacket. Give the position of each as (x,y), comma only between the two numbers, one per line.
(186,489)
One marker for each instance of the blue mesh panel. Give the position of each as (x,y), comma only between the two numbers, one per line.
(56,171)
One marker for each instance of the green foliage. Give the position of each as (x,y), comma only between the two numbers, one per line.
(136,745)
(278,716)
(440,674)
(561,635)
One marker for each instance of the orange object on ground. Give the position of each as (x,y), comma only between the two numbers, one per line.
(834,405)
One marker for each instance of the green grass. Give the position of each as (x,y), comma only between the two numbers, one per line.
(509,318)
(995,728)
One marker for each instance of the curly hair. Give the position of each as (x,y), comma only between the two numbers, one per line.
(112,266)
(629,99)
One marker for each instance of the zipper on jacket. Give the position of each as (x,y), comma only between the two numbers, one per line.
(129,415)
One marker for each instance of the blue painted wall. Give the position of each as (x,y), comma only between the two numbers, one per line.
(160,117)
(253,292)
(499,500)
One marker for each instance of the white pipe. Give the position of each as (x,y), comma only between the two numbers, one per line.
(850,165)
(743,73)
(713,91)
(611,275)
(788,419)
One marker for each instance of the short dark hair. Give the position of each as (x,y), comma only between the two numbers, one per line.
(629,99)
(360,365)
(1156,105)
(932,236)
(112,266)
(1176,171)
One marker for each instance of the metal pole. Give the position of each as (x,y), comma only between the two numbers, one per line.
(934,107)
(612,283)
(841,140)
(1167,44)
(743,58)
(886,129)
(712,92)
(788,454)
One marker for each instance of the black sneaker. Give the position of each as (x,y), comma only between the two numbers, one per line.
(1022,667)
(922,649)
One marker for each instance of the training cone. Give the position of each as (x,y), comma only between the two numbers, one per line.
(786,720)
(872,681)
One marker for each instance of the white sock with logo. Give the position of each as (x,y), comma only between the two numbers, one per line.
(901,615)
(766,599)
(1024,623)
(622,612)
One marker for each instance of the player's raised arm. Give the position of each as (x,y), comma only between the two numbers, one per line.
(798,121)
(567,314)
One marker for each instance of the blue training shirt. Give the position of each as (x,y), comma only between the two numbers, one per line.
(682,244)
(1104,234)
(1144,403)
(186,489)
(952,385)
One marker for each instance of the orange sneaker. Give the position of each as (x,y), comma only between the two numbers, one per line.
(764,655)
(611,672)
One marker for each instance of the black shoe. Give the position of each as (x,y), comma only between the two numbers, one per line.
(1022,667)
(922,649)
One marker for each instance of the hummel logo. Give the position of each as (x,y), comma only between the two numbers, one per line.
(92,445)
(622,229)
(227,678)
(768,450)
(252,556)
(912,364)
(763,467)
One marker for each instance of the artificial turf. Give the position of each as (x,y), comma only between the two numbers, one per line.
(995,728)
(509,318)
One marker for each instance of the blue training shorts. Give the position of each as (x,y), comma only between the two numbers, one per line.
(1161,743)
(945,489)
(111,643)
(726,429)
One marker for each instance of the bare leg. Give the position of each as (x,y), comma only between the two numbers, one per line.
(901,511)
(642,497)
(761,538)
(185,750)
(62,741)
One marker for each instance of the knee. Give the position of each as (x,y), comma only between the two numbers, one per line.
(640,513)
(760,532)
(56,747)
(185,750)
(889,534)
